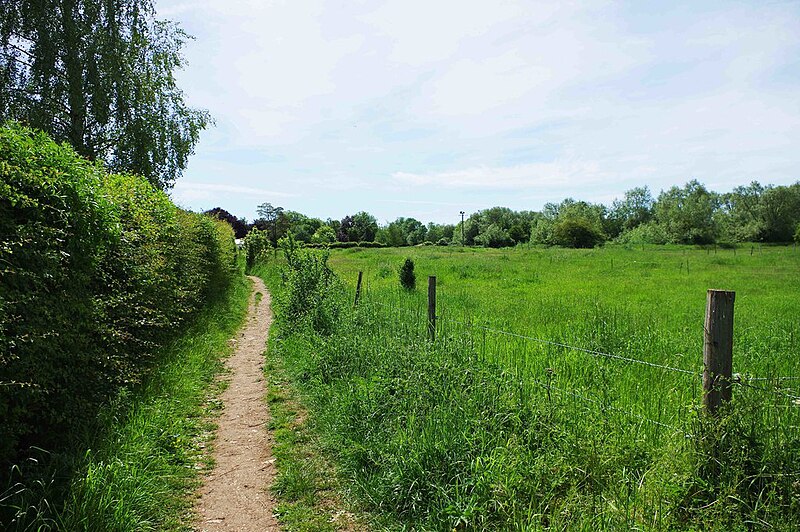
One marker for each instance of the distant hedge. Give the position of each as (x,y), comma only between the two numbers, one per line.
(345,245)
(97,271)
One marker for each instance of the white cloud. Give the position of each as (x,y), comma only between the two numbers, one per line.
(550,174)
(188,191)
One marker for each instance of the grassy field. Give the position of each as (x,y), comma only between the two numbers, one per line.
(640,302)
(503,424)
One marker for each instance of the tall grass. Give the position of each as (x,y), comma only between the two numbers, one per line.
(486,430)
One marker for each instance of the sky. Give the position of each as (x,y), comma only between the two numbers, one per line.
(427,108)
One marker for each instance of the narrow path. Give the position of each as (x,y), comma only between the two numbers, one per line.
(234,495)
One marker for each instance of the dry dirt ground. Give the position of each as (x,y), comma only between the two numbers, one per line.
(235,493)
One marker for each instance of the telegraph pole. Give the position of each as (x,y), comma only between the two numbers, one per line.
(462,228)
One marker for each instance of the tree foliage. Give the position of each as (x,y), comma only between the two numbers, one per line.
(100,75)
(360,227)
(494,237)
(687,213)
(323,235)
(239,225)
(272,219)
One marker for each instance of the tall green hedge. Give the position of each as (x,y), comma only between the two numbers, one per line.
(96,271)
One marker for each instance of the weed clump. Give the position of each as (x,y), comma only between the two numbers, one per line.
(408,279)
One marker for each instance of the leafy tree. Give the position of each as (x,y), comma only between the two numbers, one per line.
(494,237)
(403,232)
(646,233)
(365,226)
(323,235)
(391,235)
(273,220)
(576,232)
(780,211)
(343,233)
(797,234)
(100,75)
(434,232)
(239,224)
(739,217)
(687,213)
(632,211)
(519,232)
(256,246)
(301,226)
(561,224)
(471,229)
(515,225)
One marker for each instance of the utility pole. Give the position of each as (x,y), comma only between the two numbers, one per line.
(462,228)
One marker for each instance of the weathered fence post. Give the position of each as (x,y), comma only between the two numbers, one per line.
(432,307)
(718,349)
(358,288)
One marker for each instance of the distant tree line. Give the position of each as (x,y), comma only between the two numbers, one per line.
(690,214)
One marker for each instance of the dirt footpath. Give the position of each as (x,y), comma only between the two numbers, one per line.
(234,495)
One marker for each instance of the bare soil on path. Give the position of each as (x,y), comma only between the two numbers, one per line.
(235,493)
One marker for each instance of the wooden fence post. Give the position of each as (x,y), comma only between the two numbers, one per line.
(718,349)
(358,288)
(432,307)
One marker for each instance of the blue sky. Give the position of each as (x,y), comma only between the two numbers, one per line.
(425,108)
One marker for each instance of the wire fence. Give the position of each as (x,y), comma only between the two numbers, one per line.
(550,387)
(742,382)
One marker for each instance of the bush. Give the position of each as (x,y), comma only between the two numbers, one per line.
(343,245)
(647,233)
(98,271)
(576,233)
(370,245)
(408,279)
(257,246)
(310,289)
(797,234)
(494,237)
(442,242)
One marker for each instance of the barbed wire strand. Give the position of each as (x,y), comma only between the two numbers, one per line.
(596,353)
(768,390)
(592,352)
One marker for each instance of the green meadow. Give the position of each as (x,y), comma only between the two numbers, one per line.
(563,390)
(648,304)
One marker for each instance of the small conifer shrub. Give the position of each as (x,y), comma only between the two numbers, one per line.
(408,278)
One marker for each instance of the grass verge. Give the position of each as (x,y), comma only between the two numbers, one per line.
(141,473)
(306,487)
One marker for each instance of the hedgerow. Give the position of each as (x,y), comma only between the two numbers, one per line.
(98,270)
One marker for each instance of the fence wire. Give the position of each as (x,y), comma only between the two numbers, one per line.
(550,387)
(591,352)
(580,349)
(596,353)
(419,315)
